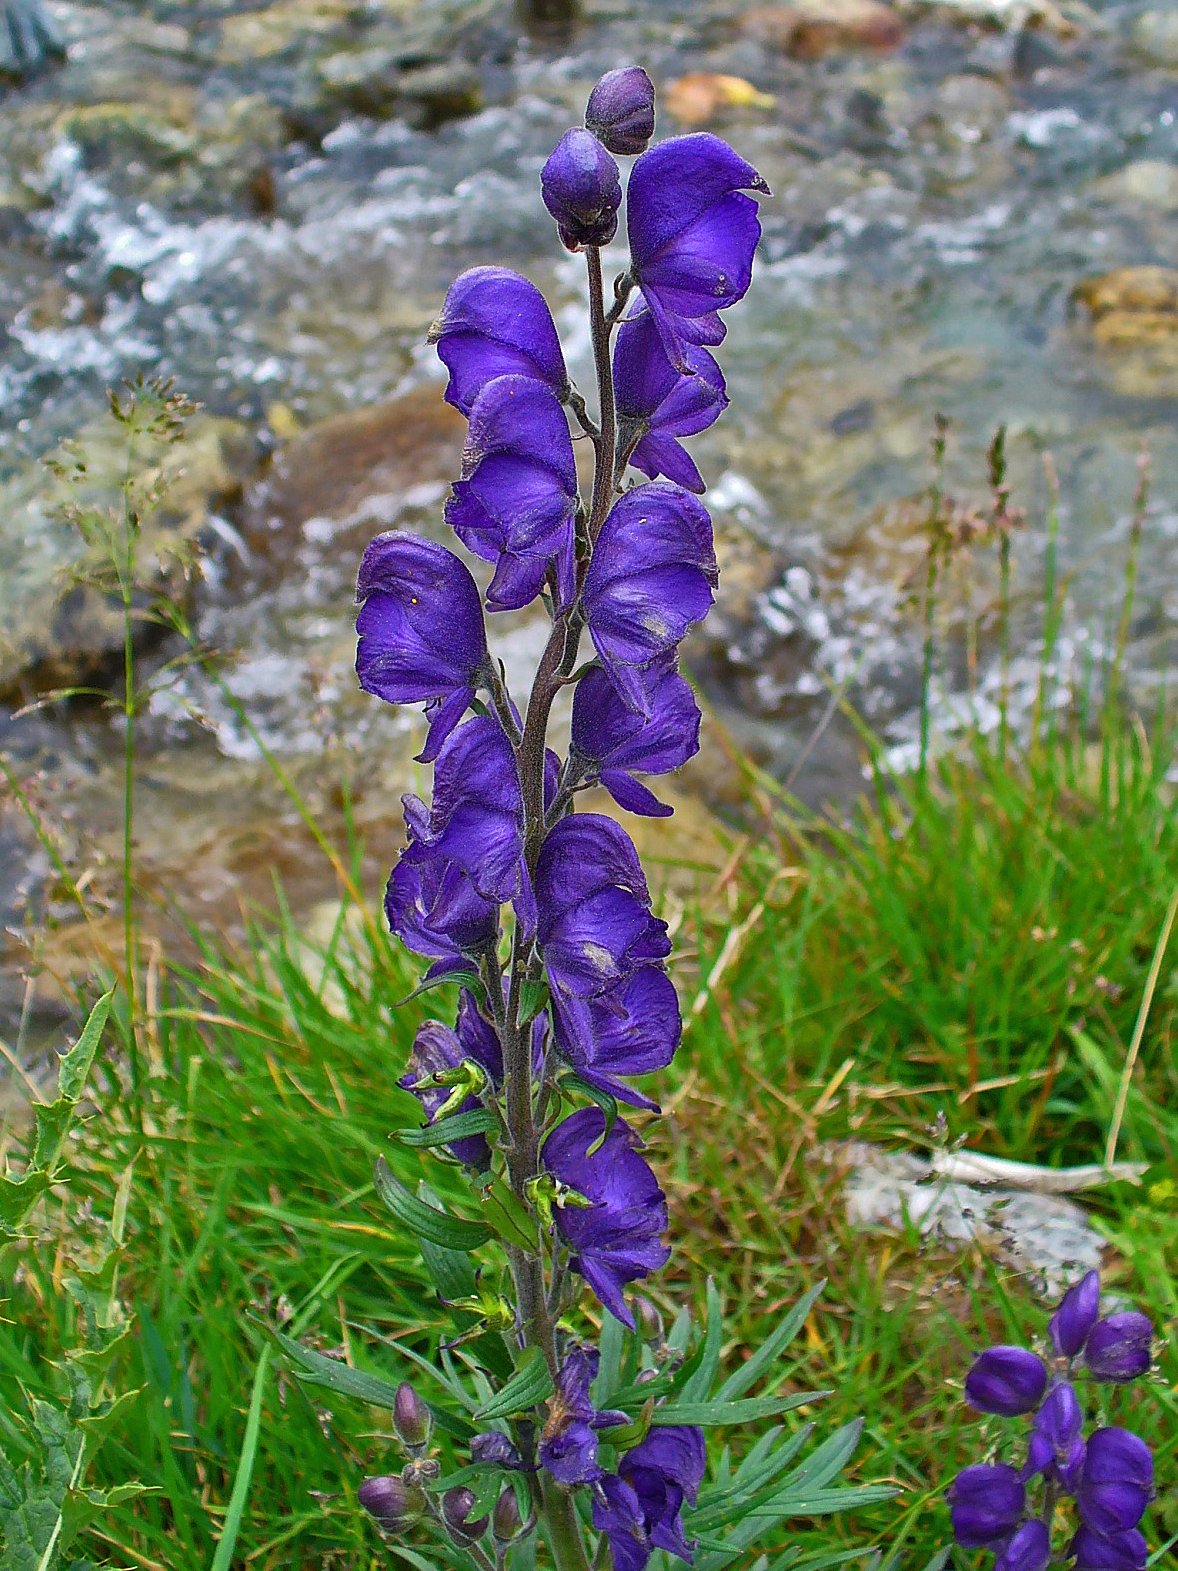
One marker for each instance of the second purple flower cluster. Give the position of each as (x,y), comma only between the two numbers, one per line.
(1108,1472)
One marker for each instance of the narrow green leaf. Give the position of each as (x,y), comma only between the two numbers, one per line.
(424,1221)
(227,1543)
(533,998)
(469,979)
(317,1370)
(766,1355)
(704,1366)
(716,1414)
(572,1084)
(458,1127)
(528,1387)
(450,1270)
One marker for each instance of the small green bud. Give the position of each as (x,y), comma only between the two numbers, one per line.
(411,1418)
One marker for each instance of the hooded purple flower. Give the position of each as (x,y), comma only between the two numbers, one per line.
(422,638)
(568,1441)
(437,1048)
(594,921)
(1056,1445)
(653,575)
(435,910)
(582,190)
(620,111)
(1028,1550)
(477,814)
(629,1030)
(494,1446)
(986,1505)
(1073,1320)
(1116,1482)
(496,323)
(1094,1551)
(617,1239)
(614,743)
(517,497)
(657,403)
(1119,1348)
(1006,1380)
(692,234)
(656,1479)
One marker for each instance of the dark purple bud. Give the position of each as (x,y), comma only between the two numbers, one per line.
(495,1447)
(986,1505)
(1078,1308)
(506,1522)
(411,1418)
(1057,1446)
(658,403)
(1119,1348)
(496,323)
(617,1239)
(457,1504)
(692,234)
(390,1501)
(1116,1552)
(620,111)
(652,576)
(582,190)
(422,638)
(1006,1380)
(595,928)
(615,743)
(1116,1481)
(631,1029)
(517,498)
(1028,1550)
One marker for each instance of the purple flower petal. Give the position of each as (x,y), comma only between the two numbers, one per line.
(568,1441)
(437,1048)
(1028,1550)
(986,1505)
(665,1471)
(632,1029)
(1073,1320)
(617,1240)
(1116,1552)
(1120,1348)
(652,576)
(477,813)
(421,631)
(517,497)
(617,1512)
(1006,1380)
(692,233)
(435,910)
(657,403)
(1116,1481)
(615,743)
(496,323)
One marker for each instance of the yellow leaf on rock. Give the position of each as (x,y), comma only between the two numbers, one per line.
(694,99)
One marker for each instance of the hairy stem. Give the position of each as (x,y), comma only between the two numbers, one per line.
(600,328)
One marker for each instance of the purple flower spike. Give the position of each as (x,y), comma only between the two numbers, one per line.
(477,813)
(640,1508)
(1028,1550)
(657,403)
(617,1239)
(652,576)
(1117,1552)
(595,926)
(1119,1348)
(517,497)
(422,638)
(616,744)
(692,234)
(1116,1482)
(1006,1380)
(1073,1320)
(437,1048)
(629,1030)
(496,323)
(620,111)
(435,910)
(986,1505)
(582,190)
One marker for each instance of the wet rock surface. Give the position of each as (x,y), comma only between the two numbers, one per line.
(268,202)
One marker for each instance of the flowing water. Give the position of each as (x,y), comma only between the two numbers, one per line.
(197,195)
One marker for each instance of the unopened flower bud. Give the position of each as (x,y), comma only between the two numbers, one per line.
(1073,1320)
(1006,1380)
(582,190)
(506,1522)
(411,1418)
(390,1501)
(650,1322)
(1119,1348)
(620,111)
(457,1504)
